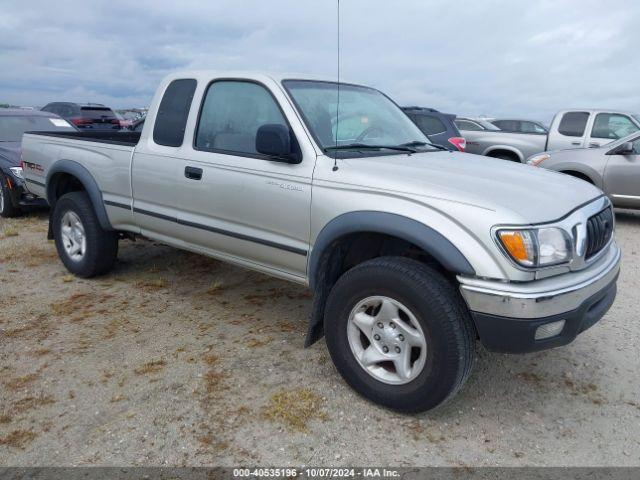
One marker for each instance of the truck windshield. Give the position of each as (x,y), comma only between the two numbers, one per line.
(364,119)
(12,127)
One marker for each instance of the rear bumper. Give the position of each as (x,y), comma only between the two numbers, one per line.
(507,316)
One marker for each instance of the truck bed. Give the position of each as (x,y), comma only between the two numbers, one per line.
(126,138)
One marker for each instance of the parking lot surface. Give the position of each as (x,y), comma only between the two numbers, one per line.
(177,359)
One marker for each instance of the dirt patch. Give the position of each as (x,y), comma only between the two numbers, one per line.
(227,396)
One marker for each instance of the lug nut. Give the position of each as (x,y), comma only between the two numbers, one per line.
(401,337)
(392,325)
(397,349)
(385,349)
(380,325)
(376,337)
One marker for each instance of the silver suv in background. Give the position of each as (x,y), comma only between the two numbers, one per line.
(520,126)
(569,129)
(614,168)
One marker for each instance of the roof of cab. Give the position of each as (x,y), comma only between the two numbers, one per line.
(248,75)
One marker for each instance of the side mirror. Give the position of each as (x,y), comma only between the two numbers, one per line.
(625,148)
(275,140)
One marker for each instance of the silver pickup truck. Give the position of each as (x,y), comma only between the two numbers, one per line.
(585,128)
(412,252)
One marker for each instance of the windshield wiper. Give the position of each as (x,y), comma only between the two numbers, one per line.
(364,146)
(418,143)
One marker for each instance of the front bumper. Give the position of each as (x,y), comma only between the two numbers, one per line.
(507,315)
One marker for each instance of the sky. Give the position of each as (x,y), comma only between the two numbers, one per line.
(475,57)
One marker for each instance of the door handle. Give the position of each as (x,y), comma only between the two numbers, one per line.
(193,173)
(576,143)
(593,144)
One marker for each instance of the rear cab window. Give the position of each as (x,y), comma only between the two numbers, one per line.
(171,120)
(573,124)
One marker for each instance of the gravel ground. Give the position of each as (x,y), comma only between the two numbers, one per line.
(176,359)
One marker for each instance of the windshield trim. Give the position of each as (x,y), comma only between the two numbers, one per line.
(306,122)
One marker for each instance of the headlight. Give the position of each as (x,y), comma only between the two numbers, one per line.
(17,171)
(536,160)
(539,247)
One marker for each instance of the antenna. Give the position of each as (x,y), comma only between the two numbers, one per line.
(335,158)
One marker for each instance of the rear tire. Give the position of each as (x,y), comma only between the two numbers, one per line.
(85,248)
(425,301)
(7,208)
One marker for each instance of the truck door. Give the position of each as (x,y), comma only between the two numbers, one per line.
(570,132)
(155,169)
(608,127)
(622,177)
(239,204)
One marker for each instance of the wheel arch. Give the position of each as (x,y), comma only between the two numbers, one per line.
(578,174)
(69,171)
(390,233)
(495,149)
(391,224)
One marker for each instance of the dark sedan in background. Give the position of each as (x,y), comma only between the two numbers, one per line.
(13,123)
(94,116)
(439,127)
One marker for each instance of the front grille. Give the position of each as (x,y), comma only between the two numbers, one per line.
(599,231)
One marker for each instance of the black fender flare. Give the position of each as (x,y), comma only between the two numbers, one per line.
(425,237)
(322,272)
(88,182)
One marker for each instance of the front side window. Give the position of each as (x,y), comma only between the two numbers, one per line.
(612,126)
(573,124)
(531,127)
(232,113)
(173,112)
(364,116)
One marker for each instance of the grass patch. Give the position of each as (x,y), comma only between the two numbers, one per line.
(31,403)
(19,383)
(295,408)
(18,438)
(9,232)
(151,368)
(34,329)
(216,288)
(256,343)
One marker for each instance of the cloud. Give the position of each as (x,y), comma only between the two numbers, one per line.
(507,57)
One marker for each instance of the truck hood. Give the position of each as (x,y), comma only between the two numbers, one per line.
(10,154)
(532,195)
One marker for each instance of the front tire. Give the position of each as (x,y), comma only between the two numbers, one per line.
(85,248)
(399,334)
(7,208)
